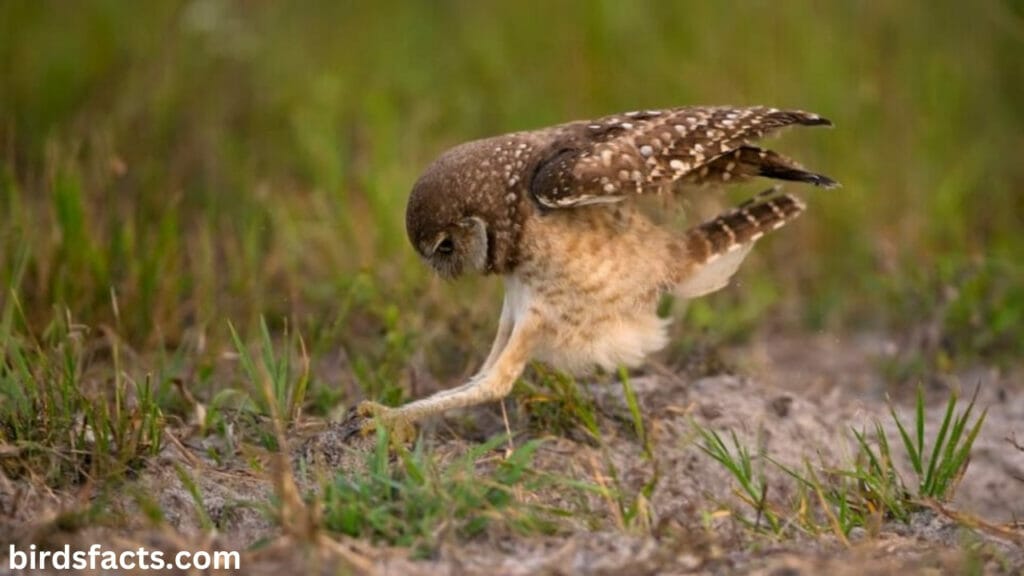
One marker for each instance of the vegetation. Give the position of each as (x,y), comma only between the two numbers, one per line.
(202,238)
(207,160)
(868,490)
(417,502)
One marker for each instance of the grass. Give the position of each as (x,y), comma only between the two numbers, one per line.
(205,522)
(287,392)
(939,469)
(58,421)
(555,403)
(418,502)
(739,461)
(867,491)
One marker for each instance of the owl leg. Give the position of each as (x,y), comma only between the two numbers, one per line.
(512,348)
(501,338)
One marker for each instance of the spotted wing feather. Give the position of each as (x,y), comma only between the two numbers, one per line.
(617,156)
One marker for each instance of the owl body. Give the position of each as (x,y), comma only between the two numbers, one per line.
(553,212)
(596,277)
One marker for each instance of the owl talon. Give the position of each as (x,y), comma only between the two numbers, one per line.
(365,417)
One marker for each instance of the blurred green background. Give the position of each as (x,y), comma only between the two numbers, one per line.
(168,166)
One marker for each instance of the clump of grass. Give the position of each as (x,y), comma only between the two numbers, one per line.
(287,390)
(57,422)
(738,460)
(555,403)
(629,508)
(277,388)
(939,469)
(868,491)
(418,501)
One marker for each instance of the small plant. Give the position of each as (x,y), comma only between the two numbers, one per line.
(871,489)
(379,365)
(939,471)
(753,488)
(417,500)
(277,391)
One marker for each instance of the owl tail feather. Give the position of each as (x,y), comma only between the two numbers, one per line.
(718,246)
(746,162)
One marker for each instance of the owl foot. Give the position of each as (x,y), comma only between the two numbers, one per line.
(365,418)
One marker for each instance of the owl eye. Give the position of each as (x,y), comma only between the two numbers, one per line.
(445,246)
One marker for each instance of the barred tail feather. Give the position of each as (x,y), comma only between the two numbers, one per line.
(718,246)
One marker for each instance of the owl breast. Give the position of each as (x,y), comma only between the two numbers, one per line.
(606,342)
(594,281)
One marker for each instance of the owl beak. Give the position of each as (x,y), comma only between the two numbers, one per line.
(437,243)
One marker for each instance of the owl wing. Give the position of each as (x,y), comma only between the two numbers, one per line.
(614,157)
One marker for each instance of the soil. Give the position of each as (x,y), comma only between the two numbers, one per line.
(795,398)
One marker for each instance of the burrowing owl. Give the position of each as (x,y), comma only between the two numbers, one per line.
(552,212)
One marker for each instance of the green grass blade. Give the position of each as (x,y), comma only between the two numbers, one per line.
(928,487)
(634,411)
(919,422)
(912,452)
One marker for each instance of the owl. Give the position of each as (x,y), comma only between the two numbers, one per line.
(556,213)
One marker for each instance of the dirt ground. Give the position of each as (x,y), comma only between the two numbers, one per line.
(798,398)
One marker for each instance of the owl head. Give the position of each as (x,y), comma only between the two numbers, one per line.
(447,224)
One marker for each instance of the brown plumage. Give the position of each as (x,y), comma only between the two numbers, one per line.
(583,266)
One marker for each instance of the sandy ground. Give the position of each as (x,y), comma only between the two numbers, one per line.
(796,399)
